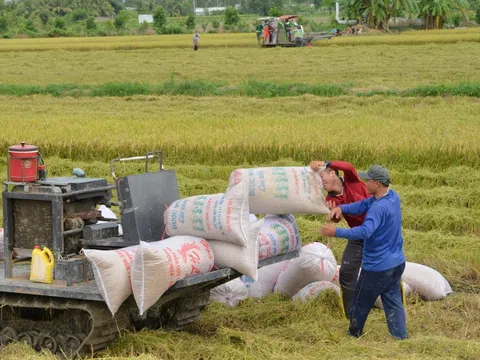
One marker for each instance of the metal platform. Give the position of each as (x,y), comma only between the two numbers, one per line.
(20,283)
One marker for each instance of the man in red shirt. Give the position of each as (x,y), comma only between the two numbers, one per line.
(348,190)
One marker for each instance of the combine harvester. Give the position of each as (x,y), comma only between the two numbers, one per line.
(292,35)
(70,317)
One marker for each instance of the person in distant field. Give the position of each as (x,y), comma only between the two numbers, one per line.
(196,39)
(346,190)
(273,33)
(266,34)
(383,257)
(289,27)
(259,31)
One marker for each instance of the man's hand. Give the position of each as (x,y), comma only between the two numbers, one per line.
(317,165)
(330,204)
(335,214)
(327,230)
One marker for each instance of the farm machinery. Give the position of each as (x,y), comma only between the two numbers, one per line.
(286,32)
(70,317)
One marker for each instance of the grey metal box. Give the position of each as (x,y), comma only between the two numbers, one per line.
(144,199)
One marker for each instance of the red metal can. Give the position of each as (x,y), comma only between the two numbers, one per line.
(23,163)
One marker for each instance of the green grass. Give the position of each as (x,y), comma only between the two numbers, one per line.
(249,89)
(176,88)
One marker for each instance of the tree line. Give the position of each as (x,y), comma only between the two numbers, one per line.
(79,17)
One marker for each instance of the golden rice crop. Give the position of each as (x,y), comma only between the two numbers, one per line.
(425,37)
(222,40)
(363,67)
(418,132)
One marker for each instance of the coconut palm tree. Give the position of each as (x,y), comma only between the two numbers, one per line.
(378,12)
(434,12)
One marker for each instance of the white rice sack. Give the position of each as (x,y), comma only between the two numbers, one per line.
(158,266)
(336,278)
(111,269)
(109,214)
(279,235)
(242,259)
(267,277)
(427,282)
(230,293)
(315,263)
(314,289)
(282,190)
(406,289)
(223,217)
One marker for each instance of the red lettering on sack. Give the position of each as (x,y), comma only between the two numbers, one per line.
(194,257)
(229,214)
(167,252)
(207,247)
(186,248)
(126,256)
(207,213)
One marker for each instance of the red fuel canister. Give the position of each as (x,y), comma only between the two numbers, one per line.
(23,163)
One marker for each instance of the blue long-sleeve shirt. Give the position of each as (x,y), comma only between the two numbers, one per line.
(381,231)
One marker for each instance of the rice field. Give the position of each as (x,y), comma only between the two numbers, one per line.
(415,132)
(431,146)
(360,67)
(225,40)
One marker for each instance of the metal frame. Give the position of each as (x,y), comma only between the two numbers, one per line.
(56,199)
(149,155)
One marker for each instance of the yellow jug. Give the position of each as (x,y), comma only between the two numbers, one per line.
(43,262)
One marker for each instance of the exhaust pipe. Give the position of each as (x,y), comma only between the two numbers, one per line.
(337,16)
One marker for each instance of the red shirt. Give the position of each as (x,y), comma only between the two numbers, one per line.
(353,190)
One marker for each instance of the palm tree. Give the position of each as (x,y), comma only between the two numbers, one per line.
(173,8)
(434,12)
(378,12)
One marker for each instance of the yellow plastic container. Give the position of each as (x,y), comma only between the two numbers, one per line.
(43,262)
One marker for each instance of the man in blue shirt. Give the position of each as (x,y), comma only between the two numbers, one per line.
(383,258)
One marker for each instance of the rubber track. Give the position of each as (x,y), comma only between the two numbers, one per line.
(103,327)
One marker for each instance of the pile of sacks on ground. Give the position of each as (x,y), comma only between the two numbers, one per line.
(309,275)
(315,270)
(213,231)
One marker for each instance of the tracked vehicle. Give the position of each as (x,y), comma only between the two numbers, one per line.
(70,317)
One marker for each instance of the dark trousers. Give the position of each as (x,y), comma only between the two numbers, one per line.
(372,284)
(195,47)
(349,269)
